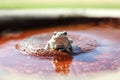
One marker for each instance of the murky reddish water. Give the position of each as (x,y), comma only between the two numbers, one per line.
(106,57)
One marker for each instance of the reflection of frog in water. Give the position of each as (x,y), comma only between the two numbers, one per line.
(60,41)
(62,65)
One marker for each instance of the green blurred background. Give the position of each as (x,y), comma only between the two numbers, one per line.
(23,4)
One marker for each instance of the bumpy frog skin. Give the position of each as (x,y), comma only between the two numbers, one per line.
(60,41)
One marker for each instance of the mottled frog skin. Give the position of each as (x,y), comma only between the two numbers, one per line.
(60,41)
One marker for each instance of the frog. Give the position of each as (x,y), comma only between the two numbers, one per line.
(60,41)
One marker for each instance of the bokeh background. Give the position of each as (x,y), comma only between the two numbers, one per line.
(12,4)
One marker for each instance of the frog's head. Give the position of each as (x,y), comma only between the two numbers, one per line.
(59,34)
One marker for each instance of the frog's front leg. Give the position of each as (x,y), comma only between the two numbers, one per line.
(69,49)
(47,46)
(70,41)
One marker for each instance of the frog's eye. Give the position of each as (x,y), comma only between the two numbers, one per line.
(65,33)
(54,33)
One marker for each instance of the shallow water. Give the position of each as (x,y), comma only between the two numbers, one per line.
(104,58)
